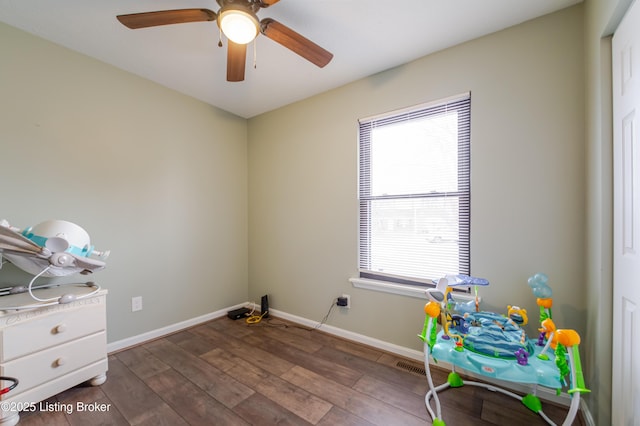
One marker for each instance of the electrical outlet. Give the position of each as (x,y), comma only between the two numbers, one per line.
(344,301)
(136,303)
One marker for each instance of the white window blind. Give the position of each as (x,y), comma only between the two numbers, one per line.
(414,193)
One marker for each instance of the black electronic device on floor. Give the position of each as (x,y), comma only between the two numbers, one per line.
(264,306)
(238,313)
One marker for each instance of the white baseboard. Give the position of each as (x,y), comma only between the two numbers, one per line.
(154,334)
(543,393)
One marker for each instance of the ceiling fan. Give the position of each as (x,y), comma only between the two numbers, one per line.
(238,21)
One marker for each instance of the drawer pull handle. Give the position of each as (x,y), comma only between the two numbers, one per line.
(59,362)
(60,329)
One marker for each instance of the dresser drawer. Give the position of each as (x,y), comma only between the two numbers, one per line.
(44,331)
(41,367)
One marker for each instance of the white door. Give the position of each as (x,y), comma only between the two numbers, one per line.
(626,221)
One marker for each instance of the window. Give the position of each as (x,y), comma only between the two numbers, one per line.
(414,193)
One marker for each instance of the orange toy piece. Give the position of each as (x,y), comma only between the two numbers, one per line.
(549,328)
(568,338)
(544,302)
(432,309)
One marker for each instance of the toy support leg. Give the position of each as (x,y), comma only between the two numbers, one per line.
(531,401)
(433,391)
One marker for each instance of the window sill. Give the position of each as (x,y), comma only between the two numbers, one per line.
(400,289)
(388,287)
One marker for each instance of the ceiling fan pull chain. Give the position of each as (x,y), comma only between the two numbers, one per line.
(255,55)
(219,37)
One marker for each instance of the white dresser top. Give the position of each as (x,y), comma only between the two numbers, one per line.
(25,300)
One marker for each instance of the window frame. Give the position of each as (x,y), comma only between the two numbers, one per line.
(460,103)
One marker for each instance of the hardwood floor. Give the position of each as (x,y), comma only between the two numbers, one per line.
(226,372)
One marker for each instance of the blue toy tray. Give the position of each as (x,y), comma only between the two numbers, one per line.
(536,371)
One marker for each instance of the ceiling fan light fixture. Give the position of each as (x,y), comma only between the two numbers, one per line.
(238,25)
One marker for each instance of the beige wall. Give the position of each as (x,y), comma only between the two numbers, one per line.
(528,180)
(158,178)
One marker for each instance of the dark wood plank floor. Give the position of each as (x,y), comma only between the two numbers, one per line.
(226,372)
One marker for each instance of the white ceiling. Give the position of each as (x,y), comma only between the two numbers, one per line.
(366,37)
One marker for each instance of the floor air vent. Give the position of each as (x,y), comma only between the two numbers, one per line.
(411,368)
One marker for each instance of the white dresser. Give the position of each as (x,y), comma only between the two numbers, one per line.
(50,349)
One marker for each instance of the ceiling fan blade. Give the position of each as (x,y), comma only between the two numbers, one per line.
(295,42)
(267,3)
(166,17)
(236,60)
